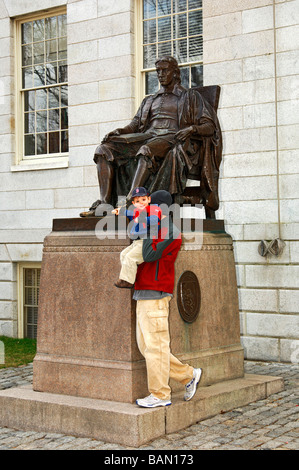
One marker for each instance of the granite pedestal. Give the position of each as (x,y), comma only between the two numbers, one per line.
(86,343)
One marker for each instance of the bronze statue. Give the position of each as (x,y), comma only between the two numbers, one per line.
(174,135)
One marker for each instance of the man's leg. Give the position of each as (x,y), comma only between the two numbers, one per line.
(153,340)
(153,343)
(105,178)
(140,177)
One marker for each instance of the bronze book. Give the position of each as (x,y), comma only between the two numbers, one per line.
(129,138)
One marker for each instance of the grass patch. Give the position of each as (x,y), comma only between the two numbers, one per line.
(16,352)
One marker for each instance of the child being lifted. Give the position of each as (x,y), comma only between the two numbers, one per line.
(144,218)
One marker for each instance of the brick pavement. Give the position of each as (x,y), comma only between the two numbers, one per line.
(270,424)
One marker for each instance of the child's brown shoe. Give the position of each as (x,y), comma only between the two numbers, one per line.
(123,284)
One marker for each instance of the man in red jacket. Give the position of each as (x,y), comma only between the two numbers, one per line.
(153,291)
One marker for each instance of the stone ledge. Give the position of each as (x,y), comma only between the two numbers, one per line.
(126,423)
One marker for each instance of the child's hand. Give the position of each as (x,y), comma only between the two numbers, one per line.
(116,211)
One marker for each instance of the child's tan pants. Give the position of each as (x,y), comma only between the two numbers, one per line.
(153,341)
(130,257)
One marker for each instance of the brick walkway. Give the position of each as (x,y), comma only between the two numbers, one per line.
(266,424)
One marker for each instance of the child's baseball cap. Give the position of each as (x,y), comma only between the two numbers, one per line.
(139,192)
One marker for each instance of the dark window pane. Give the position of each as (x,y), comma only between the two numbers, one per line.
(151,83)
(197,75)
(64,142)
(38,30)
(27,55)
(41,140)
(51,73)
(27,77)
(26,33)
(29,123)
(41,121)
(51,50)
(29,100)
(195,22)
(149,31)
(41,98)
(195,48)
(185,76)
(180,50)
(64,95)
(54,142)
(39,75)
(62,48)
(29,145)
(164,28)
(180,26)
(195,4)
(64,118)
(62,68)
(38,53)
(149,9)
(149,56)
(164,7)
(51,27)
(53,119)
(62,25)
(179,5)
(53,97)
(164,48)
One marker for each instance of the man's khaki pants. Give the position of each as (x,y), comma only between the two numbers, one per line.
(130,258)
(153,340)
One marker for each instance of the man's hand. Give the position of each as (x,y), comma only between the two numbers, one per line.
(184,134)
(112,133)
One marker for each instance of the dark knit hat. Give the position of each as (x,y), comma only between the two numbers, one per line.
(161,197)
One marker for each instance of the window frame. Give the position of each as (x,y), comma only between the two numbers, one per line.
(33,162)
(140,71)
(21,294)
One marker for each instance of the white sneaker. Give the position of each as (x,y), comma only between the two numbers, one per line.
(151,402)
(192,385)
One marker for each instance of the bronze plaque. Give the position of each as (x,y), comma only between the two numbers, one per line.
(188,296)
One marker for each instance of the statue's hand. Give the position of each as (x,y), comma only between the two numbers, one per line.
(184,134)
(110,134)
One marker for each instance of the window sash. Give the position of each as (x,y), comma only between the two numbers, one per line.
(42,130)
(28,295)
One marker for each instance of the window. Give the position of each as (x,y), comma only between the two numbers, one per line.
(29,282)
(42,87)
(171,27)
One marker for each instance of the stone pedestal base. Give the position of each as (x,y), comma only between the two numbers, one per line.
(86,326)
(125,423)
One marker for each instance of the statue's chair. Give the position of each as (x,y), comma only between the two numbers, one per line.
(194,194)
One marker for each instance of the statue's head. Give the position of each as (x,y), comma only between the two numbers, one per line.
(172,65)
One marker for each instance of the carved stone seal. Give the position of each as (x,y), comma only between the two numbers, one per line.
(188,296)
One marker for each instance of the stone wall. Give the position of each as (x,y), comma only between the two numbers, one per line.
(250,50)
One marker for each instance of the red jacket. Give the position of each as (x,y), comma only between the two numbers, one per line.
(157,272)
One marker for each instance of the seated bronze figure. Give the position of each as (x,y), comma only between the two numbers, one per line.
(175,135)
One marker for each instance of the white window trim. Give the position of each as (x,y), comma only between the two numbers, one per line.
(21,267)
(36,162)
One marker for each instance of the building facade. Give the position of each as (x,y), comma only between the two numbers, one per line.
(73,70)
